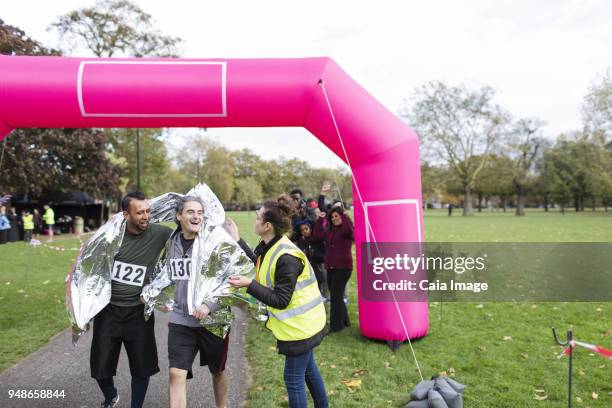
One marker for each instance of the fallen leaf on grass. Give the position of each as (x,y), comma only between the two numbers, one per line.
(332,366)
(599,309)
(345,358)
(594,395)
(20,291)
(271,348)
(480,306)
(608,333)
(451,372)
(578,399)
(45,282)
(259,388)
(360,372)
(507,338)
(351,384)
(540,395)
(8,283)
(525,356)
(534,306)
(482,348)
(386,364)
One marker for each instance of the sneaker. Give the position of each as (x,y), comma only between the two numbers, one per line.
(110,404)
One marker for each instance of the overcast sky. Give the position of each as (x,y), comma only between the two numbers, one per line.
(540,56)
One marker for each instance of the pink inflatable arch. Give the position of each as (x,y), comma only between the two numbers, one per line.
(314,93)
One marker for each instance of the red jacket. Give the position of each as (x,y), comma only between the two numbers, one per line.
(338,242)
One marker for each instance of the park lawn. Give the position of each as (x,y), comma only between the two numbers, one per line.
(32,296)
(502,351)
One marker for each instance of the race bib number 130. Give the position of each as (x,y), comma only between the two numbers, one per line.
(129,274)
(180,269)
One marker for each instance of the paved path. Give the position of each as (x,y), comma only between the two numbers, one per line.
(60,366)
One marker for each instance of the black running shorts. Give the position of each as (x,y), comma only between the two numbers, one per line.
(184,342)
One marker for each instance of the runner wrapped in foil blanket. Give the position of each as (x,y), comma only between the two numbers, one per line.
(215,255)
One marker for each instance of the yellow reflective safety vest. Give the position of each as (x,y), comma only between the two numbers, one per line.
(49,217)
(305,315)
(28,222)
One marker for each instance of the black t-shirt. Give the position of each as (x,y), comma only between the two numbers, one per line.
(135,262)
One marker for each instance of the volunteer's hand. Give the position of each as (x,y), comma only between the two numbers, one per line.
(201,312)
(319,213)
(239,281)
(167,307)
(232,228)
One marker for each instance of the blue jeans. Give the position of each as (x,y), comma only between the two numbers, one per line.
(298,369)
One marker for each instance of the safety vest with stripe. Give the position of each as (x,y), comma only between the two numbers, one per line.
(28,222)
(305,315)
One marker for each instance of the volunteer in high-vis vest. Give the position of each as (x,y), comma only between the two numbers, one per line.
(285,282)
(122,320)
(49,219)
(28,226)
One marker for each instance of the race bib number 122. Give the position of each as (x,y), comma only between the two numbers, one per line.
(129,274)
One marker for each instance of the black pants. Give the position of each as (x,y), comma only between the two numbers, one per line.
(336,280)
(116,325)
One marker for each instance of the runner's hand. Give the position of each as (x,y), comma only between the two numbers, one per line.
(201,312)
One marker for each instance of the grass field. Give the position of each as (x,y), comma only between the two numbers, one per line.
(502,351)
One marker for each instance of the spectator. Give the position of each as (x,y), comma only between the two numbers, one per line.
(299,208)
(38,227)
(5,225)
(338,238)
(28,226)
(13,235)
(49,218)
(315,252)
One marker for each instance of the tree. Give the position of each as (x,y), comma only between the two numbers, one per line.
(113,27)
(248,192)
(153,158)
(582,166)
(597,107)
(460,126)
(38,161)
(495,180)
(14,41)
(523,146)
(205,160)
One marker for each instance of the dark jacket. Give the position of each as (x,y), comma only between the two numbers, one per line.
(314,249)
(338,242)
(288,269)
